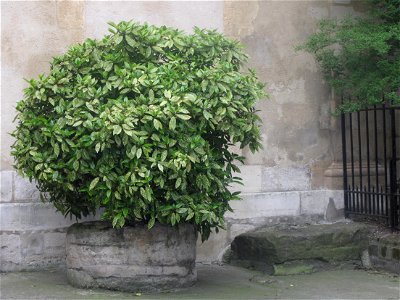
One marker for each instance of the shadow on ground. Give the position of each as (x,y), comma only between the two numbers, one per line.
(218,282)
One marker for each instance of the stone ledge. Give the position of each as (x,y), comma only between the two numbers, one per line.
(32,250)
(291,203)
(17,189)
(32,216)
(257,209)
(265,205)
(260,179)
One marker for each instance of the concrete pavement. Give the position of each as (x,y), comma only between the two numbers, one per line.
(218,282)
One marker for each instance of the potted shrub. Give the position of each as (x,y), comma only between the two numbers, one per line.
(139,125)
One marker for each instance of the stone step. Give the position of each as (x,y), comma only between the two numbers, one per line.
(272,249)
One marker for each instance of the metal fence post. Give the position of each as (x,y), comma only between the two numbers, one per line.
(394,218)
(345,186)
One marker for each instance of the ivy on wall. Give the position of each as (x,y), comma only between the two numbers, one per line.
(360,56)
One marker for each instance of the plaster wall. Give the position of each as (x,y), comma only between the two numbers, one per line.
(299,134)
(283,182)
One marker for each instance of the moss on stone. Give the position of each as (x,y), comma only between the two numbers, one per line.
(329,243)
(292,269)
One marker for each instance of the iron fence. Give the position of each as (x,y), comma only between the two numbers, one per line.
(371,180)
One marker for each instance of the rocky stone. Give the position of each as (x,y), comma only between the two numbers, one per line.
(132,258)
(331,243)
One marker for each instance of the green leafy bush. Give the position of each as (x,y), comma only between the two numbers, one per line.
(140,124)
(360,56)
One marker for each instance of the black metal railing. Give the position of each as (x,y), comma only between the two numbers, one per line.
(371,163)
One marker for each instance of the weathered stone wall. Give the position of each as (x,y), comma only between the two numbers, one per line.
(32,233)
(284,181)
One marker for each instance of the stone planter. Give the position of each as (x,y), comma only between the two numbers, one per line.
(132,258)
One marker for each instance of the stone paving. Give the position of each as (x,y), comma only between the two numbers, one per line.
(218,282)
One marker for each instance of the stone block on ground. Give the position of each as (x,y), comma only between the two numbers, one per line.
(329,243)
(384,252)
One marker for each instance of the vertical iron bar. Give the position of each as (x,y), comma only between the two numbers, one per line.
(376,160)
(393,208)
(359,157)
(351,150)
(393,172)
(349,196)
(365,195)
(359,147)
(382,213)
(345,186)
(385,160)
(368,196)
(373,198)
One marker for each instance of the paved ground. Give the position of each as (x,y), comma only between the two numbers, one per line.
(218,282)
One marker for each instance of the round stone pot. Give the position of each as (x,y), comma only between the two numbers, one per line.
(133,258)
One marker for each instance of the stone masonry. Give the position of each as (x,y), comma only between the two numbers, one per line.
(32,233)
(133,258)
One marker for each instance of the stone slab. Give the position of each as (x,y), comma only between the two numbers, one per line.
(316,201)
(384,252)
(33,216)
(25,190)
(326,242)
(259,178)
(265,205)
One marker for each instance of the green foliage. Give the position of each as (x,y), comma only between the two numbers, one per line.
(140,124)
(360,57)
